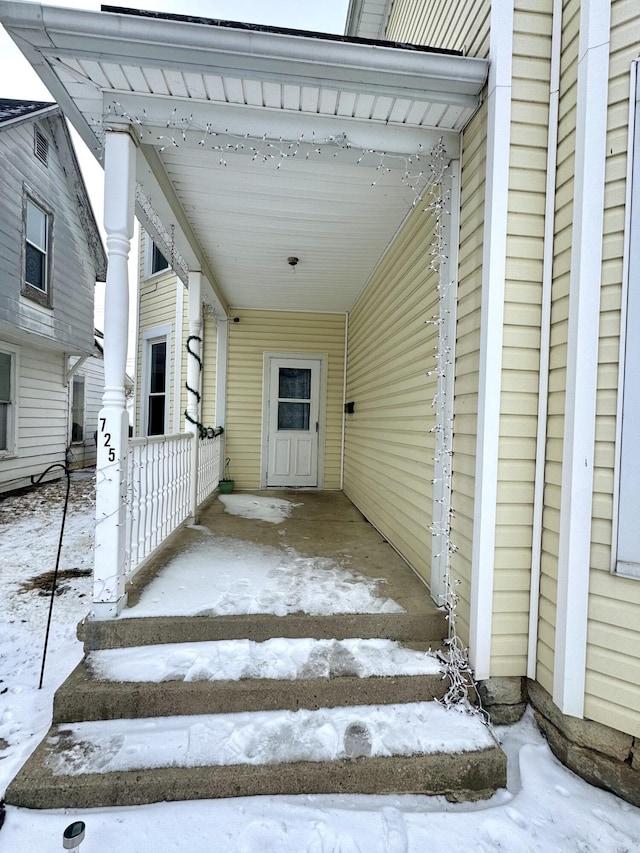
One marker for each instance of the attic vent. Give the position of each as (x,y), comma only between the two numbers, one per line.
(41,147)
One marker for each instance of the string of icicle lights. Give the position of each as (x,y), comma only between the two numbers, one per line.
(414,171)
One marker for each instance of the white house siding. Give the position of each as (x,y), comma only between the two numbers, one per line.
(521,341)
(389,448)
(68,324)
(84,453)
(558,346)
(258,332)
(613,650)
(454,26)
(42,430)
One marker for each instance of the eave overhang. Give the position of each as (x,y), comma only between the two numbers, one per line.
(188,88)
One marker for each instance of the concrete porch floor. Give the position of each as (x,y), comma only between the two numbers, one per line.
(321,524)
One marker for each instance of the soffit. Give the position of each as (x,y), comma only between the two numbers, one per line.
(267,145)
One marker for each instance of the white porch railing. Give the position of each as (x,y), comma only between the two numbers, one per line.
(159,488)
(208,467)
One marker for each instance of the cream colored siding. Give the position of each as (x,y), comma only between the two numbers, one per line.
(613,650)
(388,445)
(468,358)
(462,25)
(521,342)
(558,347)
(258,332)
(209,354)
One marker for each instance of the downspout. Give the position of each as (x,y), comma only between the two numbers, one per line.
(344,397)
(545,337)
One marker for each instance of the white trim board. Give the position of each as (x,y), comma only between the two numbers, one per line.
(491,337)
(576,504)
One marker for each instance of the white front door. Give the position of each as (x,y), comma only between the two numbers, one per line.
(293,421)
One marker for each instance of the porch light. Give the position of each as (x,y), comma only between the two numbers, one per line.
(73,836)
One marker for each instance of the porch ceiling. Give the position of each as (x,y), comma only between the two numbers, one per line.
(258,145)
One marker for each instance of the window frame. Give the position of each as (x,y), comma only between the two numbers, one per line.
(151,336)
(625,550)
(12,416)
(31,291)
(149,271)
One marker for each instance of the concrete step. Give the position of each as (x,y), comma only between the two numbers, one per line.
(425,627)
(83,697)
(420,748)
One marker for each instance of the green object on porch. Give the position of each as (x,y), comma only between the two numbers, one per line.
(226,484)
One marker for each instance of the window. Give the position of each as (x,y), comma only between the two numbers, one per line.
(7,400)
(37,251)
(158,260)
(156,380)
(154,260)
(77,409)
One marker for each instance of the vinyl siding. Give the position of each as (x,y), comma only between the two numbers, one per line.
(84,453)
(389,448)
(468,358)
(613,639)
(41,431)
(558,345)
(521,343)
(278,331)
(462,25)
(68,324)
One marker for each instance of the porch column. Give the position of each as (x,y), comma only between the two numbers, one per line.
(194,369)
(110,564)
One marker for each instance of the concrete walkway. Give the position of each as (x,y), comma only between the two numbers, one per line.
(321,524)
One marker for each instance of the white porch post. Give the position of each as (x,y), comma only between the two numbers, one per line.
(113,425)
(194,362)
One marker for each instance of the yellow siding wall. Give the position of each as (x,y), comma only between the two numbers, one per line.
(389,448)
(462,25)
(278,331)
(558,351)
(456,26)
(613,650)
(521,342)
(209,354)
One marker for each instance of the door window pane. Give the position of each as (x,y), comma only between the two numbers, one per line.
(293,416)
(294,383)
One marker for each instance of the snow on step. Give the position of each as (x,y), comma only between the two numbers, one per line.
(264,737)
(278,658)
(221,576)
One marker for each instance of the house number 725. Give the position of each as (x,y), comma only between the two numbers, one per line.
(107,440)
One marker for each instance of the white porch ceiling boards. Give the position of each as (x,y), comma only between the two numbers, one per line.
(238,223)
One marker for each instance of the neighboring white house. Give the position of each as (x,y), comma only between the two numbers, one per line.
(51,255)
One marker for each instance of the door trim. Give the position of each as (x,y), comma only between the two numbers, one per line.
(323,359)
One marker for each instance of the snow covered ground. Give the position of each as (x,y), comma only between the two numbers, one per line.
(546,807)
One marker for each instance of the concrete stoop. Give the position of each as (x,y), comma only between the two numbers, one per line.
(464,775)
